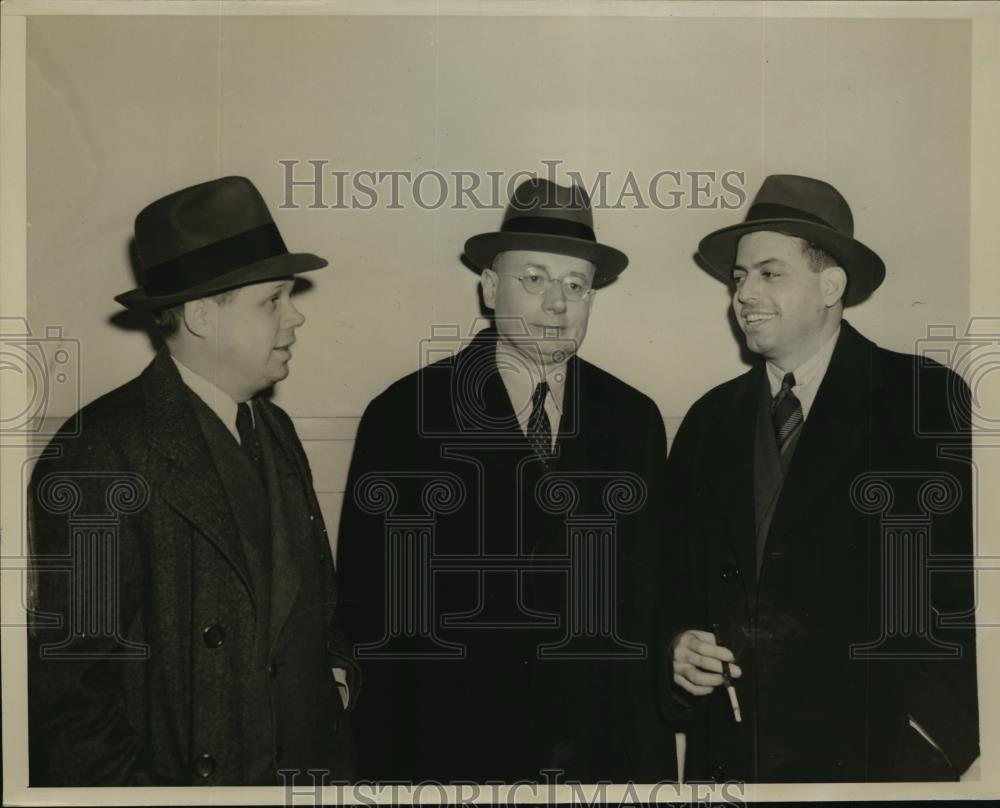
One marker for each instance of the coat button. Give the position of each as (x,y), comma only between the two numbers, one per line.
(730,572)
(272,669)
(719,772)
(204,766)
(214,636)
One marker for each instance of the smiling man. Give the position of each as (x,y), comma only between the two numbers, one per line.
(510,631)
(206,655)
(805,640)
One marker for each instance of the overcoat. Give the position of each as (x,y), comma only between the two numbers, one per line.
(505,624)
(161,641)
(860,620)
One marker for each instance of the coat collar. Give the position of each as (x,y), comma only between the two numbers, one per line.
(190,482)
(835,425)
(476,370)
(837,422)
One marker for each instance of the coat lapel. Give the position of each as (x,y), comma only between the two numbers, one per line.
(736,481)
(836,424)
(280,462)
(190,482)
(586,424)
(479,395)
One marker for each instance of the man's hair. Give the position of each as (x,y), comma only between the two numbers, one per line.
(168,321)
(819,259)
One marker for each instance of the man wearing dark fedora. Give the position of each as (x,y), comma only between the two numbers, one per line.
(507,635)
(805,638)
(190,642)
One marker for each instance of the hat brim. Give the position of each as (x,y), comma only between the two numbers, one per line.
(865,270)
(608,262)
(280,266)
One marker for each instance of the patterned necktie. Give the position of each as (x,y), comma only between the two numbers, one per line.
(539,428)
(786,413)
(249,439)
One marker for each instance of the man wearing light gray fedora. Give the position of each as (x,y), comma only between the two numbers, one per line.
(193,642)
(805,639)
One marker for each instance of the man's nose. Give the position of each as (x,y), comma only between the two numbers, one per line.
(293,317)
(555,298)
(749,289)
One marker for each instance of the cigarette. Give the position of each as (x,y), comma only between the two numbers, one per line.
(733,701)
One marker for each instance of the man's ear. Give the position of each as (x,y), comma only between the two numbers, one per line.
(489,281)
(833,282)
(199,317)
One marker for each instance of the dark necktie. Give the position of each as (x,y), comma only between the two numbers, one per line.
(539,428)
(249,439)
(786,413)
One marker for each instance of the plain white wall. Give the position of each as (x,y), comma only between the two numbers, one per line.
(122,110)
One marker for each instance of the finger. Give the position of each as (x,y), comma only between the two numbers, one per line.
(705,663)
(702,636)
(735,672)
(714,651)
(690,687)
(703,678)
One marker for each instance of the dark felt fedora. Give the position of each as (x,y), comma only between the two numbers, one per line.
(546,217)
(807,208)
(206,239)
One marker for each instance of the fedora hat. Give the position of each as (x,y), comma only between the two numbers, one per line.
(809,209)
(546,217)
(206,239)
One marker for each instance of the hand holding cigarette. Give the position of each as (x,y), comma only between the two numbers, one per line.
(700,664)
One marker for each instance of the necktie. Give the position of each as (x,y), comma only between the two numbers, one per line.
(539,428)
(786,413)
(249,439)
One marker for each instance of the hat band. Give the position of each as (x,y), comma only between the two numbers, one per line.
(772,210)
(206,263)
(549,227)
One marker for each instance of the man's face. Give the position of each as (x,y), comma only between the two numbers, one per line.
(546,328)
(785,308)
(253,335)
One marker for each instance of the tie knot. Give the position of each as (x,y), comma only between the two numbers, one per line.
(244,419)
(787,382)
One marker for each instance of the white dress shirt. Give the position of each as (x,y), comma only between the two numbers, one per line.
(808,376)
(521,378)
(217,401)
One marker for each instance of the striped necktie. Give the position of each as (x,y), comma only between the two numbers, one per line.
(539,428)
(786,413)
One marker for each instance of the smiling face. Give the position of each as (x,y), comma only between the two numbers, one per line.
(786,308)
(545,328)
(249,336)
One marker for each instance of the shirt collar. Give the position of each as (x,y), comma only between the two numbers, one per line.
(813,369)
(521,377)
(808,376)
(215,399)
